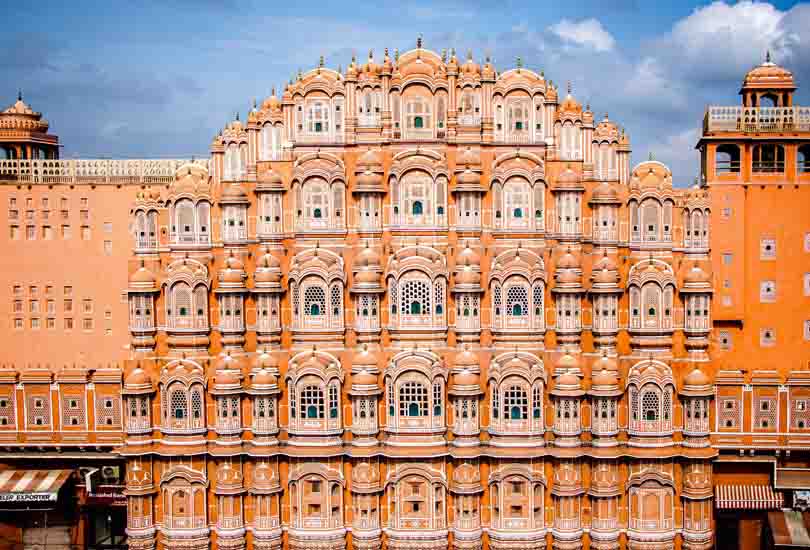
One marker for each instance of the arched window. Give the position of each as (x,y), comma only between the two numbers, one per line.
(317,121)
(768,158)
(570,147)
(316,203)
(650,216)
(184,221)
(727,159)
(271,141)
(418,117)
(413,399)
(516,195)
(179,311)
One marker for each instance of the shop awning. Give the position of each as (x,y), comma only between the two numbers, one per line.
(789,529)
(30,486)
(747,497)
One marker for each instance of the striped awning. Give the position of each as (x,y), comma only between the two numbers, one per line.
(747,497)
(25,486)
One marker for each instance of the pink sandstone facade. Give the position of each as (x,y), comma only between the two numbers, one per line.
(419,304)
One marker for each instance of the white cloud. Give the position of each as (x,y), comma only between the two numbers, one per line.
(587,33)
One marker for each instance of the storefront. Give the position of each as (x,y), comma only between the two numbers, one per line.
(742,511)
(104,508)
(38,508)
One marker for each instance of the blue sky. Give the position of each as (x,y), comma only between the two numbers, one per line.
(158,78)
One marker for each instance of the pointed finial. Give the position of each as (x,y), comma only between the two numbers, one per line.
(385,52)
(396,54)
(519,62)
(419,41)
(254,103)
(768,56)
(340,69)
(652,157)
(237,115)
(320,61)
(273,91)
(469,55)
(444,55)
(569,87)
(19,94)
(488,58)
(452,52)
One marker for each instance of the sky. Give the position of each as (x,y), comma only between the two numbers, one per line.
(159,78)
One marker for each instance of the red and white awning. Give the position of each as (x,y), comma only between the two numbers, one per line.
(747,497)
(27,486)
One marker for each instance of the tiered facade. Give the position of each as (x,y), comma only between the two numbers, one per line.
(420,304)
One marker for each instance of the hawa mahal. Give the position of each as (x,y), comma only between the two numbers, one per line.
(417,304)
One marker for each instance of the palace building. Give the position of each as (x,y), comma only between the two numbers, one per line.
(421,303)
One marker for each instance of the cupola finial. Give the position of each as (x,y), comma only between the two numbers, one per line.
(320,61)
(768,56)
(569,87)
(19,94)
(419,41)
(519,62)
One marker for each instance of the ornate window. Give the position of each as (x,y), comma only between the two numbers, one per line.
(138,419)
(765,413)
(568,312)
(418,502)
(140,311)
(184,407)
(270,219)
(516,501)
(570,142)
(234,223)
(420,301)
(316,501)
(518,205)
(568,213)
(38,410)
(264,414)
(146,226)
(271,140)
(235,161)
(651,306)
(320,205)
(315,307)
(73,411)
(605,160)
(517,406)
(651,507)
(415,390)
(418,200)
(418,117)
(469,110)
(186,309)
(228,414)
(314,394)
(184,504)
(651,409)
(8,417)
(191,222)
(108,411)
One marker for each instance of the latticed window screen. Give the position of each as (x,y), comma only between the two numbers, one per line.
(439,296)
(108,411)
(296,300)
(38,407)
(415,298)
(496,405)
(7,413)
(650,406)
(438,398)
(312,405)
(333,401)
(799,413)
(496,299)
(413,399)
(314,301)
(517,301)
(73,410)
(537,301)
(515,403)
(336,297)
(729,413)
(196,407)
(764,413)
(537,402)
(179,404)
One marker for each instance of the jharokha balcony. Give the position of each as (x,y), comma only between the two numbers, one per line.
(737,118)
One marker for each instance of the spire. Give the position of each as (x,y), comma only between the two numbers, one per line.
(569,87)
(19,94)
(768,56)
(320,62)
(237,115)
(419,41)
(519,62)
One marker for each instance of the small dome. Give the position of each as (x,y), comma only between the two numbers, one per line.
(268,269)
(225,378)
(364,358)
(364,378)
(696,275)
(416,67)
(264,377)
(467,276)
(143,276)
(568,177)
(467,158)
(271,178)
(569,260)
(604,378)
(515,362)
(468,256)
(768,75)
(234,192)
(468,177)
(233,271)
(568,362)
(466,359)
(372,157)
(605,191)
(696,378)
(466,378)
(264,360)
(605,363)
(224,361)
(369,179)
(568,276)
(568,381)
(367,258)
(470,67)
(137,377)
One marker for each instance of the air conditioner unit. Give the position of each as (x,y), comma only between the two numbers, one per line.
(110,473)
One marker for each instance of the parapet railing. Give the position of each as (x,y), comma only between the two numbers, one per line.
(93,171)
(720,118)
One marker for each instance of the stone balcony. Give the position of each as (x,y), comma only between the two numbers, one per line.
(92,171)
(736,118)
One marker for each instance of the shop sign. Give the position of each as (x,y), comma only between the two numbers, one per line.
(27,497)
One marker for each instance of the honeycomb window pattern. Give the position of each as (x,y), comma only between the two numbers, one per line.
(73,413)
(7,413)
(39,413)
(413,399)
